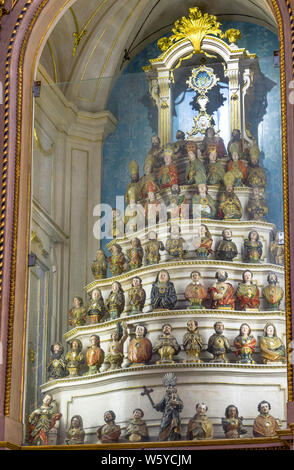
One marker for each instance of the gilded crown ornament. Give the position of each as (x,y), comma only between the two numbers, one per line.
(233,35)
(194,28)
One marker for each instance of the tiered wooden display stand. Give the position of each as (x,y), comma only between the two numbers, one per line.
(217,384)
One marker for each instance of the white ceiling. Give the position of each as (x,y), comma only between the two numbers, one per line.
(117,25)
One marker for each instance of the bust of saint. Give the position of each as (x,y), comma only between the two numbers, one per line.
(140,347)
(110,431)
(163,294)
(136,430)
(200,427)
(272,293)
(166,345)
(272,348)
(265,425)
(245,345)
(218,344)
(195,292)
(233,423)
(222,292)
(247,293)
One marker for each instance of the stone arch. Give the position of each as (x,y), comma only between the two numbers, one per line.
(27,28)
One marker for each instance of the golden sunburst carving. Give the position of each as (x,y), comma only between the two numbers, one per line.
(194,28)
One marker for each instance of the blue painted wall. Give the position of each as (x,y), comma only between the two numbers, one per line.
(137,119)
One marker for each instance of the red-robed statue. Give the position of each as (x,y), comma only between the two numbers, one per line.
(222,292)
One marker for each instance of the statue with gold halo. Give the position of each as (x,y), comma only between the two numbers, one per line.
(134,183)
(272,348)
(170,405)
(229,204)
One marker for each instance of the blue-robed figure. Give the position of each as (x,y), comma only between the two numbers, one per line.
(163,294)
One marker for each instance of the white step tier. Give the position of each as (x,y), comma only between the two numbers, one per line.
(179,272)
(178,320)
(217,385)
(189,230)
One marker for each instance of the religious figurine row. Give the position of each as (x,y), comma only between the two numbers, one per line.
(140,349)
(226,250)
(163,297)
(45,418)
(177,247)
(161,166)
(199,427)
(226,206)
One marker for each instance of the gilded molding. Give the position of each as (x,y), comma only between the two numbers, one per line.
(17,177)
(285,182)
(170,313)
(151,367)
(193,263)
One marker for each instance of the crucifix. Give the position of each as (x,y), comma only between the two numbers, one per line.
(148,391)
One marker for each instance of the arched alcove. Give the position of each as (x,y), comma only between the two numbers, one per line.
(65,112)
